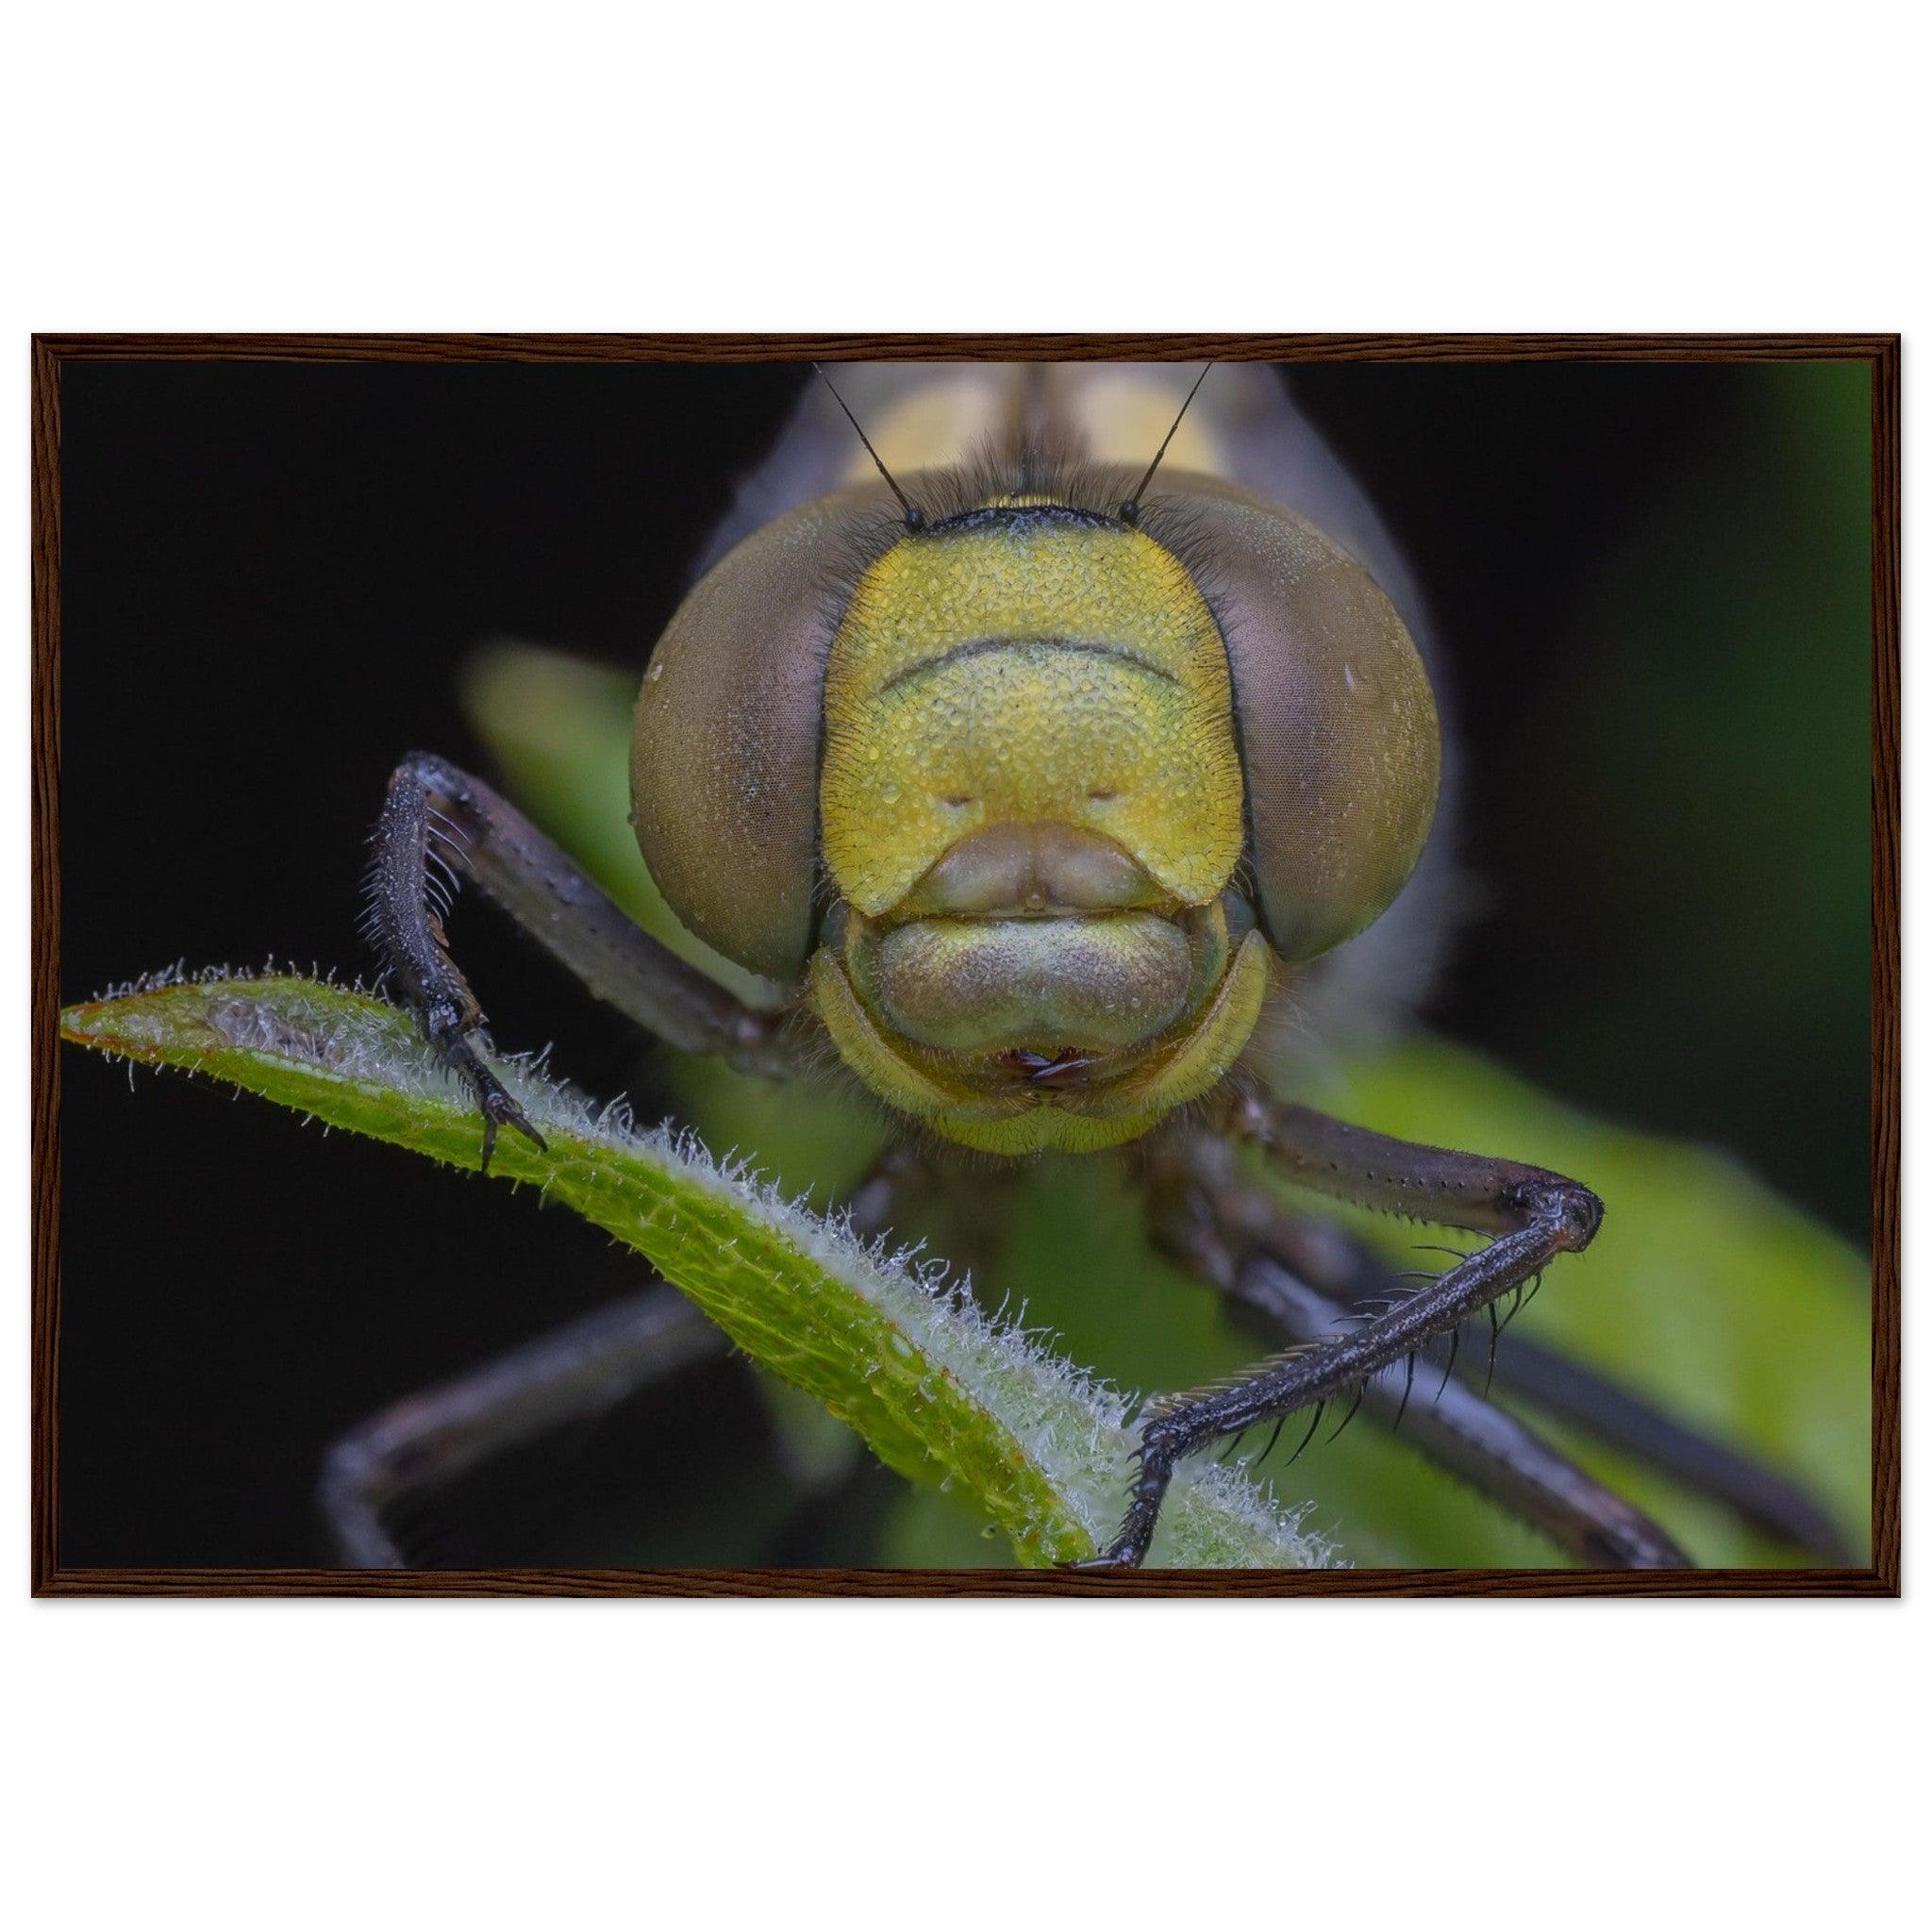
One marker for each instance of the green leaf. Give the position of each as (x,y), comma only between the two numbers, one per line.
(887,1342)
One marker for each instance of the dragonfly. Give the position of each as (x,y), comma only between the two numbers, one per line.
(1062,745)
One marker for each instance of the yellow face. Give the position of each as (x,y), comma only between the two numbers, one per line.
(1031,807)
(1029,816)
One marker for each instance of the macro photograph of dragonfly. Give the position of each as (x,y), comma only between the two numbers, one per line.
(915,962)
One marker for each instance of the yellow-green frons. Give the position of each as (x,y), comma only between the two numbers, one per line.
(1024,673)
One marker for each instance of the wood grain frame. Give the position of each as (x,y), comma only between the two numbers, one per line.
(52,353)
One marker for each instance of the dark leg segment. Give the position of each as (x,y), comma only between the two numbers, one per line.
(1763,1497)
(1282,1275)
(1342,1270)
(1474,1439)
(429,1438)
(1535,1215)
(438,824)
(577,1371)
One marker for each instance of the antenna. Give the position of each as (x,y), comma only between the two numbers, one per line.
(914,517)
(1130,509)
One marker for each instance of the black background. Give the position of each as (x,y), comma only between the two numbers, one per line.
(270,574)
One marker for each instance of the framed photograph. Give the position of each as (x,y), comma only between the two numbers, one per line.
(1161,965)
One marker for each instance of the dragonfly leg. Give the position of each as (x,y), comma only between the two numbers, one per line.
(433,1436)
(1534,1216)
(1345,1270)
(439,825)
(1757,1495)
(1301,1283)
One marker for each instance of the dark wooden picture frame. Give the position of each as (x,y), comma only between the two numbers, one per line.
(53,354)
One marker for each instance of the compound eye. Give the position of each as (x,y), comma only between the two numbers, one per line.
(1340,748)
(725,753)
